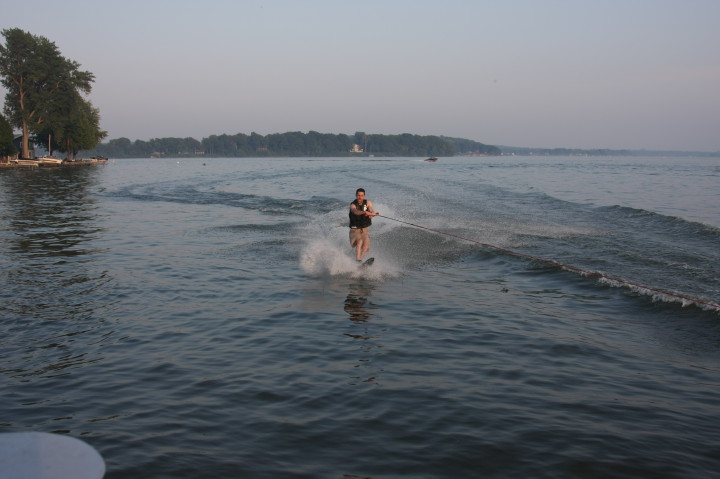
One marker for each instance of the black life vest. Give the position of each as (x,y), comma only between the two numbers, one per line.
(359,221)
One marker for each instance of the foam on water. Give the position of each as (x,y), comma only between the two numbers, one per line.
(326,249)
(321,257)
(658,296)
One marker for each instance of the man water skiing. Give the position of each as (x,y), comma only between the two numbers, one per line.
(361,212)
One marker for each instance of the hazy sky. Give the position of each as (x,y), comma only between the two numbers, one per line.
(542,73)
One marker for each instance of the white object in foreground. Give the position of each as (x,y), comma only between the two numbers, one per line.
(40,455)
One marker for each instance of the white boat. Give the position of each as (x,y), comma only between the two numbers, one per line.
(49,161)
(23,162)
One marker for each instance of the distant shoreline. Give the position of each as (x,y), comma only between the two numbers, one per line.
(525,151)
(360,144)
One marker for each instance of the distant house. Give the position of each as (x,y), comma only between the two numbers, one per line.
(356,148)
(17,143)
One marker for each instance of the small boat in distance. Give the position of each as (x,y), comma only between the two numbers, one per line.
(25,162)
(49,161)
(431,159)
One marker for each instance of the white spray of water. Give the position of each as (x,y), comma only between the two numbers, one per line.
(327,250)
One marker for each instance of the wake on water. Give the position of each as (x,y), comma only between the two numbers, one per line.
(399,246)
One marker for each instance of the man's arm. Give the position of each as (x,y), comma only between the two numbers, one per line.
(356,211)
(371,211)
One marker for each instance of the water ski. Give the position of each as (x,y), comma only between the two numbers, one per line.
(368,262)
(40,455)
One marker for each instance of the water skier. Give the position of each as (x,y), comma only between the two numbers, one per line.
(361,212)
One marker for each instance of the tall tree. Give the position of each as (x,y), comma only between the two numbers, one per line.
(79,129)
(38,79)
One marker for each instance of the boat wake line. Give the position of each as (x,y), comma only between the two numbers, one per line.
(685,300)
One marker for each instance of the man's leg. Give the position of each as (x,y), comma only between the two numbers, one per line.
(359,249)
(363,245)
(360,240)
(356,242)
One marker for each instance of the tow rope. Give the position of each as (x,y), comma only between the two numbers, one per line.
(583,272)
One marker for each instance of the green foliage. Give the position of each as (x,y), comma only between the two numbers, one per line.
(409,145)
(43,87)
(7,147)
(292,144)
(470,147)
(79,129)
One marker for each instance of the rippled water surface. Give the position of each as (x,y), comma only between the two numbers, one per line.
(525,317)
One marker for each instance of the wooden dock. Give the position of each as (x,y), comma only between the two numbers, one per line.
(38,163)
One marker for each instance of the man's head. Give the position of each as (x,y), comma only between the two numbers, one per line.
(360,194)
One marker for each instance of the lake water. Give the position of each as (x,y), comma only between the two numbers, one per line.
(535,317)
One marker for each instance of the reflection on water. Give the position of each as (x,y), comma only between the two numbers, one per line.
(356,301)
(360,310)
(49,232)
(48,212)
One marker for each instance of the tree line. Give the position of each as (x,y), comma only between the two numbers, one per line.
(44,98)
(46,101)
(293,144)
